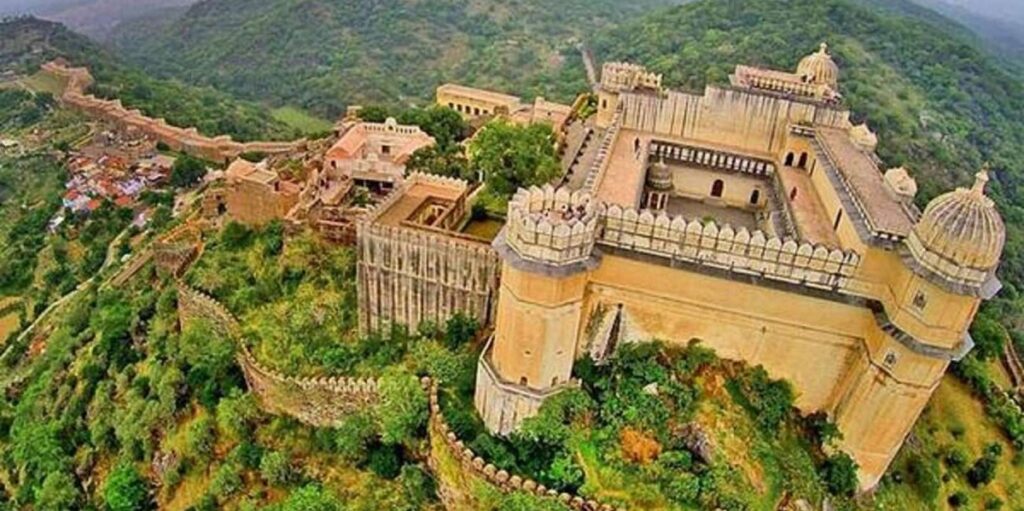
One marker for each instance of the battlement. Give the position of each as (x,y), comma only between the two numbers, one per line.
(722,247)
(551,226)
(623,76)
(391,127)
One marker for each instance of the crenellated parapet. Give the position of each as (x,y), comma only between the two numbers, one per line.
(446,444)
(623,76)
(194,304)
(555,227)
(219,148)
(175,250)
(319,402)
(726,248)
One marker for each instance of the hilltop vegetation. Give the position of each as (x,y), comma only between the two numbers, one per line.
(325,54)
(26,43)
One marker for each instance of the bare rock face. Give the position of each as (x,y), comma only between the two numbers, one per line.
(698,441)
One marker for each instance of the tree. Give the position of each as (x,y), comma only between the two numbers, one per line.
(58,492)
(513,157)
(442,162)
(235,414)
(839,473)
(187,171)
(459,330)
(125,489)
(984,470)
(402,411)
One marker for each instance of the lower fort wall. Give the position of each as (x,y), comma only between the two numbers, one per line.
(326,402)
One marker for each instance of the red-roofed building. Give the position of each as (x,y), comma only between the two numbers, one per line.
(375,154)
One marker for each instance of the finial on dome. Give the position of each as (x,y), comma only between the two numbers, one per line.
(980,180)
(823,49)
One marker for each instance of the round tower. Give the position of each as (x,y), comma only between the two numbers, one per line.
(547,249)
(946,266)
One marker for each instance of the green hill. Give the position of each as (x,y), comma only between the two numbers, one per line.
(325,54)
(941,104)
(26,43)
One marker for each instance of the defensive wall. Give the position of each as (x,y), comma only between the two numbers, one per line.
(327,401)
(220,149)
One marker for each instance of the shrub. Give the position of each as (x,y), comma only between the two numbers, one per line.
(227,480)
(274,468)
(58,491)
(958,499)
(402,411)
(984,469)
(385,460)
(125,489)
(839,473)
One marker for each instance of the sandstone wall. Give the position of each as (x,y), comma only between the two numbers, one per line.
(319,402)
(407,276)
(459,470)
(189,140)
(752,122)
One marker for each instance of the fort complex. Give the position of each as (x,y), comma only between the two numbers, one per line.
(755,218)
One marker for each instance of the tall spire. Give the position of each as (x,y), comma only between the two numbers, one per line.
(980,180)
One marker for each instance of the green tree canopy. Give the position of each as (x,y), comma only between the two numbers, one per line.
(513,157)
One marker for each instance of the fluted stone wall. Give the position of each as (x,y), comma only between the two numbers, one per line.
(407,276)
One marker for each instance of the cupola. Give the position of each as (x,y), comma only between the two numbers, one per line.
(819,68)
(959,240)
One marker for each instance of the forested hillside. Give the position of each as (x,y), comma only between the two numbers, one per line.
(25,43)
(941,105)
(325,54)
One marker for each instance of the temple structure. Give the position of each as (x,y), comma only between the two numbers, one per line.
(754,218)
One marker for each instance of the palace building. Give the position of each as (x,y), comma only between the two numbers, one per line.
(754,218)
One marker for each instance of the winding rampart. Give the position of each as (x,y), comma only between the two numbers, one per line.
(327,401)
(220,149)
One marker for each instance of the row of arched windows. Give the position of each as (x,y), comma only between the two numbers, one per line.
(718,189)
(791,158)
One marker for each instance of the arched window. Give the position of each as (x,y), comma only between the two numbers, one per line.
(717,188)
(803,160)
(604,104)
(554,381)
(792,194)
(755,197)
(789,159)
(523,381)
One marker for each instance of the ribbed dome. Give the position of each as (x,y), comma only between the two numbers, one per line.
(820,68)
(960,236)
(659,177)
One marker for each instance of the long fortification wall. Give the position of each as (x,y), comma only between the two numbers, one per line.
(326,402)
(471,469)
(321,402)
(189,140)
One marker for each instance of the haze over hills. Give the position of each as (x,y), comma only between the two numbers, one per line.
(997,22)
(95,18)
(325,54)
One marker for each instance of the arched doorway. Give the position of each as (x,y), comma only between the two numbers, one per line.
(789,159)
(803,160)
(755,197)
(717,188)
